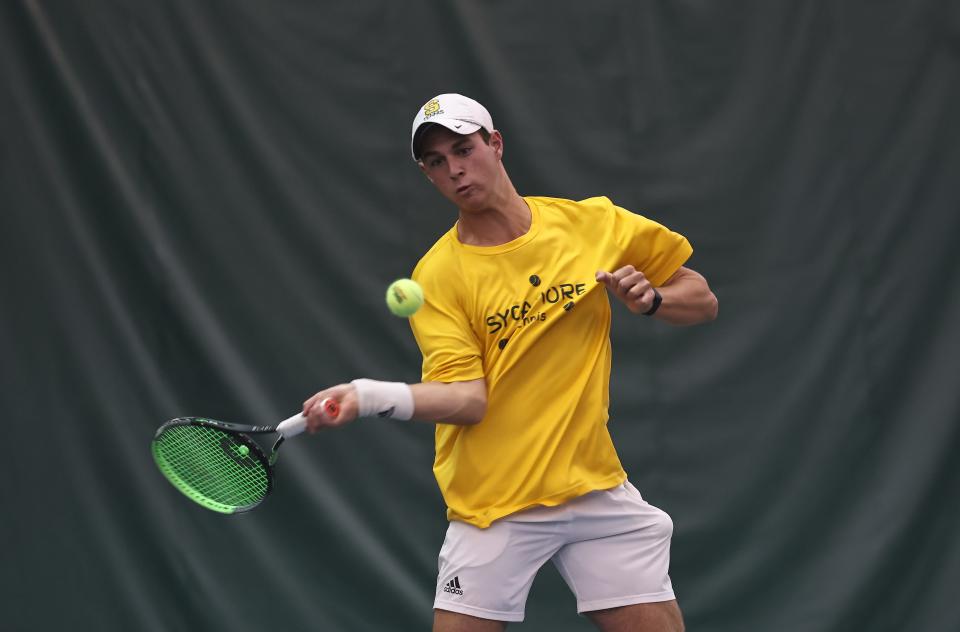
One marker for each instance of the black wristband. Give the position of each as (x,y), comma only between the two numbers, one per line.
(657,299)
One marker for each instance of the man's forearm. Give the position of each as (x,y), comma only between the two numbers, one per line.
(687,300)
(461,403)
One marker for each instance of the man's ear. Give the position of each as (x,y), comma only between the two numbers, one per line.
(424,170)
(496,141)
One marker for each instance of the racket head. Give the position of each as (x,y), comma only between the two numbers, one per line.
(214,463)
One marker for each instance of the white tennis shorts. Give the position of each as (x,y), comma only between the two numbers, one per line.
(611,547)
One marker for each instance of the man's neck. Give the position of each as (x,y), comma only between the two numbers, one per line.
(505,220)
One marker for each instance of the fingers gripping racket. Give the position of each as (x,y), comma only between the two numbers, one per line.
(220,465)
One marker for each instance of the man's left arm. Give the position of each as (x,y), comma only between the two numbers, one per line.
(683,299)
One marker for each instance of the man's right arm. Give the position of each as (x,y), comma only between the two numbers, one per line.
(460,403)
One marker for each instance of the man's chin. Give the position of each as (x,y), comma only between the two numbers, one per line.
(472,204)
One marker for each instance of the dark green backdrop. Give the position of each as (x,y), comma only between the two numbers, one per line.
(202,203)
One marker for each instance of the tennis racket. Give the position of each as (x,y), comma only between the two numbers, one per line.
(222,466)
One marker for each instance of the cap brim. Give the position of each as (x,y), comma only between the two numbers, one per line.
(456,126)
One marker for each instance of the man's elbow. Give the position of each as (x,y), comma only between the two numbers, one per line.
(475,410)
(472,405)
(712,308)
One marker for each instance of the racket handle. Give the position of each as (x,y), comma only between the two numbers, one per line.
(298,423)
(293,426)
(331,408)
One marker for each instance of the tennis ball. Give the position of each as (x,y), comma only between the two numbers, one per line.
(404,297)
(243,450)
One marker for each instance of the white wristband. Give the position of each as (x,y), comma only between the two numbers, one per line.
(383,399)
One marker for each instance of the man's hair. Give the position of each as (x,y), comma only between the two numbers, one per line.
(484,134)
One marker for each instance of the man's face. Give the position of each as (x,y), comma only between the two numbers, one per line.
(465,169)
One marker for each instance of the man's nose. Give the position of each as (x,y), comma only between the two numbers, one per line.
(456,168)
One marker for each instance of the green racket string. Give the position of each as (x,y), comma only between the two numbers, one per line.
(195,459)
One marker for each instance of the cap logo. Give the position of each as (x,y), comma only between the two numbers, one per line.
(432,108)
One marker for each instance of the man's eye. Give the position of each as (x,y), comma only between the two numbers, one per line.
(435,162)
(465,151)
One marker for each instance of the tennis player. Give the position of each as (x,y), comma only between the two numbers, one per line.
(516,369)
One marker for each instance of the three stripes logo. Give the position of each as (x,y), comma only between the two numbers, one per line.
(453,586)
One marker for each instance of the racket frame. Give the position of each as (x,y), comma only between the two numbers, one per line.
(241,433)
(291,427)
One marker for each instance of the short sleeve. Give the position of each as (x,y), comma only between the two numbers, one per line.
(451,351)
(650,247)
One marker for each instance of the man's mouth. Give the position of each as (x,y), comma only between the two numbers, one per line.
(463,189)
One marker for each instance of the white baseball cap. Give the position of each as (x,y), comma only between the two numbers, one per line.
(456,112)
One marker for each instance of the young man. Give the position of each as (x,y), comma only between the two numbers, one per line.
(516,368)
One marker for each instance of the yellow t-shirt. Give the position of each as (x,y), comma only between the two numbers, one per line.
(530,318)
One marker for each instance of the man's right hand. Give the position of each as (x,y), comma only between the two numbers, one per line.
(317,419)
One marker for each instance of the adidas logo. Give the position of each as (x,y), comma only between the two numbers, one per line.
(387,413)
(453,586)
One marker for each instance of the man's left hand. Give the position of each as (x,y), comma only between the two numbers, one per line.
(630,286)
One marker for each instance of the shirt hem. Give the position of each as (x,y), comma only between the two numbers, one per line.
(550,501)
(483,613)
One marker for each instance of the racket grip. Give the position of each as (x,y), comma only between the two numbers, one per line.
(331,408)
(296,424)
(293,426)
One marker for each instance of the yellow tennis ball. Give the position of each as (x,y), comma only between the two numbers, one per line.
(404,297)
